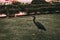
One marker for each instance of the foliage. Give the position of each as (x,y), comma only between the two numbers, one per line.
(37,5)
(10,9)
(38,2)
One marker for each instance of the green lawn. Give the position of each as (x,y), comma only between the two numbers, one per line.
(23,28)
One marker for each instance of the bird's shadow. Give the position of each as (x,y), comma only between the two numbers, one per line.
(38,24)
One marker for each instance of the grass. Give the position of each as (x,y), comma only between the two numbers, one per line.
(23,28)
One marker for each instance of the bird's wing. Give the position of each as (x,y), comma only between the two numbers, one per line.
(40,26)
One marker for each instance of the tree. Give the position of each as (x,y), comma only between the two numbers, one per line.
(38,1)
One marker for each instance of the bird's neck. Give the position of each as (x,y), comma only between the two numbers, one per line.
(34,20)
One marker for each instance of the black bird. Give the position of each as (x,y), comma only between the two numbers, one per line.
(39,25)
